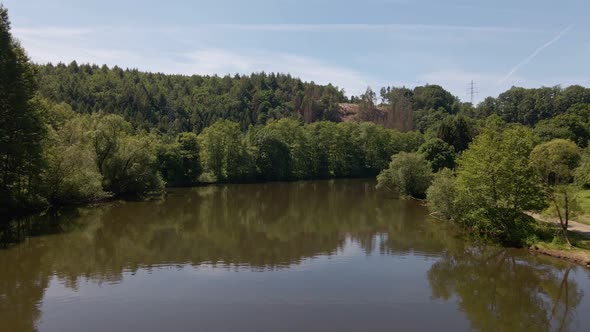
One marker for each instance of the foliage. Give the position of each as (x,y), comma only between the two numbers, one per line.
(71,174)
(176,103)
(582,173)
(408,174)
(179,161)
(555,163)
(529,106)
(439,154)
(223,153)
(441,194)
(566,126)
(132,170)
(21,126)
(457,131)
(495,184)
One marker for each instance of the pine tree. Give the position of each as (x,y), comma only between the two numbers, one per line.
(21,126)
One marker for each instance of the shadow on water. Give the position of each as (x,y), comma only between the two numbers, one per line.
(271,227)
(53,221)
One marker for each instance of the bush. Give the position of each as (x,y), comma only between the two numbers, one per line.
(408,174)
(441,194)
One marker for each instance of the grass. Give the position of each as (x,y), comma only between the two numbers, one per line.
(583,200)
(583,212)
(549,235)
(547,239)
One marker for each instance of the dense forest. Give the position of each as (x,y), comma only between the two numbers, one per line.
(175,103)
(80,132)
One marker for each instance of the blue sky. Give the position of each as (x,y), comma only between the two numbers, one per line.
(353,44)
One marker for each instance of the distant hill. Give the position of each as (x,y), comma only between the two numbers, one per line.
(176,103)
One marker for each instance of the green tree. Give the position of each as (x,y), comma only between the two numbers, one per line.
(292,133)
(441,194)
(132,170)
(179,161)
(21,126)
(408,174)
(439,154)
(582,173)
(272,156)
(555,163)
(566,126)
(71,174)
(457,131)
(223,153)
(495,184)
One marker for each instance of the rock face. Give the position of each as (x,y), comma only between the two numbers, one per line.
(394,117)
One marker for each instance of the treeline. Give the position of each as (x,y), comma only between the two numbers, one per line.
(177,103)
(507,171)
(86,157)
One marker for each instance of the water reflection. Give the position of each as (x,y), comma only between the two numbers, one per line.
(275,227)
(502,290)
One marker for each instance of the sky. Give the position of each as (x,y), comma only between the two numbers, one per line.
(351,44)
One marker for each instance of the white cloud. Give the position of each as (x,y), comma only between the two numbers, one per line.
(363,27)
(219,61)
(52,32)
(65,45)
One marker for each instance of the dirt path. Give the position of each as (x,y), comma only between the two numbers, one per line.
(573,226)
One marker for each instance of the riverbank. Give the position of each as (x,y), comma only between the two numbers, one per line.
(575,255)
(548,242)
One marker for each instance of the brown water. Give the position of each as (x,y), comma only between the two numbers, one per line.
(305,256)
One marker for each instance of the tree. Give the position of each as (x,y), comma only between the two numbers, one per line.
(272,156)
(132,170)
(457,131)
(408,174)
(71,174)
(127,161)
(292,133)
(496,184)
(555,163)
(434,97)
(439,154)
(179,161)
(582,173)
(21,126)
(441,194)
(566,126)
(223,153)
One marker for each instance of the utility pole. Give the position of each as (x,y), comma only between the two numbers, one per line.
(472,91)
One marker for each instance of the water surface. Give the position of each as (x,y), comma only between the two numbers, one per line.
(303,256)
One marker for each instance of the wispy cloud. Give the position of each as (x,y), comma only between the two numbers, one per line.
(535,53)
(213,61)
(52,32)
(362,27)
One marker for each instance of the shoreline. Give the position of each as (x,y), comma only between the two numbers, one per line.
(577,256)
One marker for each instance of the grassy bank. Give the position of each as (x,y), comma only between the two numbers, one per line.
(548,241)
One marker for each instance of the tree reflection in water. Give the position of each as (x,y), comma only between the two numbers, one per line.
(274,226)
(502,290)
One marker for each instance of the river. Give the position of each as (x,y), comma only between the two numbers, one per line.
(303,256)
